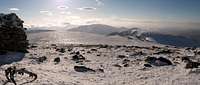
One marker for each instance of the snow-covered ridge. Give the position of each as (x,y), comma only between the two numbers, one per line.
(166,39)
(96,29)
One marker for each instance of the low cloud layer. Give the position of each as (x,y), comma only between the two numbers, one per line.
(87,8)
(14,9)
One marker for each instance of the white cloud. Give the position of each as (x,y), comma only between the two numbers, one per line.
(65,12)
(46,12)
(87,8)
(14,9)
(62,7)
(99,2)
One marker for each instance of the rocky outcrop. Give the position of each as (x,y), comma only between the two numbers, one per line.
(12,33)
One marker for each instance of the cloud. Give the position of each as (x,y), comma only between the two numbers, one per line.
(14,9)
(46,12)
(87,8)
(62,7)
(99,2)
(65,12)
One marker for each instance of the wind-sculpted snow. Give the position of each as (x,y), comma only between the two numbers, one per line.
(165,39)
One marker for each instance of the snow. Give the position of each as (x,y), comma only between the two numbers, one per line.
(63,73)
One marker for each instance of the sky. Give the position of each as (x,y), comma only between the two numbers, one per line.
(126,13)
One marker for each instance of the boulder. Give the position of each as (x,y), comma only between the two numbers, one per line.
(12,33)
(158,61)
(83,69)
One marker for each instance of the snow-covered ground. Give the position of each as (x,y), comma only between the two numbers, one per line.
(110,69)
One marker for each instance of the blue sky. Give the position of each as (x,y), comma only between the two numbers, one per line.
(113,12)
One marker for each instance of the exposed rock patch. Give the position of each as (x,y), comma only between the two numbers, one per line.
(12,33)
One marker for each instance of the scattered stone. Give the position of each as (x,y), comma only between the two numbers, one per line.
(164,51)
(78,58)
(83,69)
(93,49)
(33,46)
(61,50)
(191,65)
(147,65)
(100,70)
(12,33)
(117,65)
(121,56)
(158,61)
(42,59)
(125,62)
(57,60)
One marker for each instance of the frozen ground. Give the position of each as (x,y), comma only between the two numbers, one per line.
(128,70)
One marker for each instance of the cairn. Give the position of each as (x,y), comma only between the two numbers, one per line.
(12,33)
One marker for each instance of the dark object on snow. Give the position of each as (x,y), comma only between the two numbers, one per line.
(78,57)
(42,59)
(61,50)
(83,69)
(190,64)
(121,56)
(12,71)
(164,51)
(158,61)
(147,65)
(12,33)
(57,60)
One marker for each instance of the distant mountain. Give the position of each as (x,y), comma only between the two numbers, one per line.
(97,29)
(166,39)
(37,30)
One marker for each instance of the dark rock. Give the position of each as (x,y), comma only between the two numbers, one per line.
(147,65)
(164,51)
(100,70)
(42,59)
(78,58)
(12,33)
(83,69)
(186,59)
(126,65)
(158,61)
(121,56)
(191,65)
(93,49)
(61,50)
(57,60)
(33,46)
(117,65)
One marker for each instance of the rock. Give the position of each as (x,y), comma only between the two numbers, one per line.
(147,65)
(100,70)
(57,60)
(126,62)
(61,50)
(83,69)
(93,49)
(158,61)
(42,59)
(191,65)
(12,34)
(78,57)
(121,56)
(164,51)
